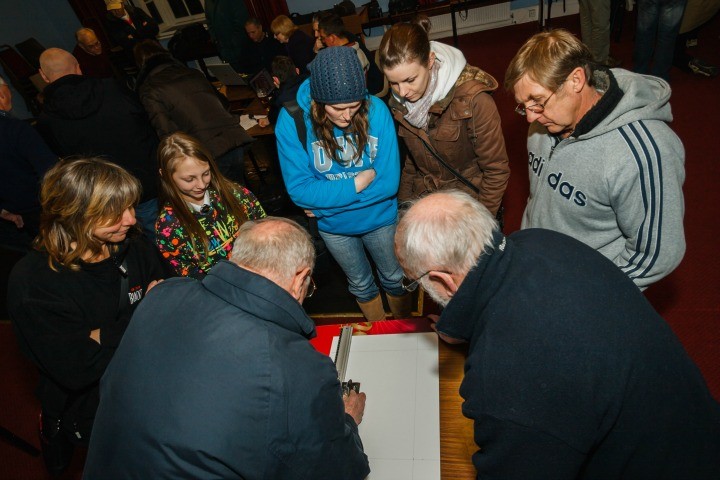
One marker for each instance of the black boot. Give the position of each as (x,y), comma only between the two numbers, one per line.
(57,450)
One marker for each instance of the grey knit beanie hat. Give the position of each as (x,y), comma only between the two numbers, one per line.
(336,76)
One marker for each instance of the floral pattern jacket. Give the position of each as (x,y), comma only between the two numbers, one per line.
(220,226)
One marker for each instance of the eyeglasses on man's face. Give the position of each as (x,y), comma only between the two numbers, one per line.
(536,108)
(311,289)
(410,285)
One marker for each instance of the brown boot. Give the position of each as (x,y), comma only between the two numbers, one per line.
(373,310)
(400,306)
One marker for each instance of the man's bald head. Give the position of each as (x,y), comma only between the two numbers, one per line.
(88,41)
(56,63)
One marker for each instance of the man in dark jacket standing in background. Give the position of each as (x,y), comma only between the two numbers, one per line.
(217,379)
(97,117)
(178,98)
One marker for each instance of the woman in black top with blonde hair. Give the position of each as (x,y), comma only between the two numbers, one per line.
(71,298)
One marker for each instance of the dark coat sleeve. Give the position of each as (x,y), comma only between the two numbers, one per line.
(54,332)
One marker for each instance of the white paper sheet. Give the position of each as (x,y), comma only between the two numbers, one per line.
(246,122)
(401,426)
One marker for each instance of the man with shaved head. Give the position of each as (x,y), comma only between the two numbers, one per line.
(89,52)
(570,373)
(99,117)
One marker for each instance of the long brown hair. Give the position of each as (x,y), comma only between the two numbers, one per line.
(324,130)
(77,196)
(175,148)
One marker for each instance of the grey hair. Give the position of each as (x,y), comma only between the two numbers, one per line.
(446,230)
(274,247)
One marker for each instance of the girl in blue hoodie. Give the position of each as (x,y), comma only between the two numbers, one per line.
(347,176)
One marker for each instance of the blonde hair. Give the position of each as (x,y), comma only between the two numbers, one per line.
(283,24)
(171,151)
(547,59)
(78,196)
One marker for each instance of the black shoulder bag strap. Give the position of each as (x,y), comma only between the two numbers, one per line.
(296,112)
(457,174)
(500,216)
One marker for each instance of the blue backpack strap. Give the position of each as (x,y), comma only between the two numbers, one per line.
(298,115)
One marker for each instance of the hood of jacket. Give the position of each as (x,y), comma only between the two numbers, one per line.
(487,83)
(259,297)
(158,62)
(303,96)
(73,97)
(643,97)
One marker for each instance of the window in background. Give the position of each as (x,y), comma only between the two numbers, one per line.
(172,13)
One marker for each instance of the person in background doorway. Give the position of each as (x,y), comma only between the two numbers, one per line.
(201,211)
(448,118)
(128,25)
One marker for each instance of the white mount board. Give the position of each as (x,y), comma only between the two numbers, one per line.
(400,430)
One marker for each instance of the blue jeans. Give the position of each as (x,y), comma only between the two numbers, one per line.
(146,214)
(349,252)
(658,24)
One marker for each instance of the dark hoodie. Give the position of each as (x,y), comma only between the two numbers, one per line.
(97,117)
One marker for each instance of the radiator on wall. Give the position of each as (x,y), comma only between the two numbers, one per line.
(472,20)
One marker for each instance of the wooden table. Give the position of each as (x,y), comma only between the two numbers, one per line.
(244,101)
(457,443)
